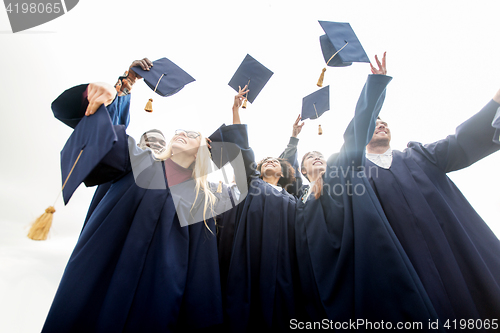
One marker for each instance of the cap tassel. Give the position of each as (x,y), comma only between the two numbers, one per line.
(41,227)
(320,131)
(149,106)
(321,78)
(219,188)
(244,106)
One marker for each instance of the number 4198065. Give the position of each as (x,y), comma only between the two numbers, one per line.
(34,8)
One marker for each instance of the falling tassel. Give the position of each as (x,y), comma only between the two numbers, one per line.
(219,188)
(41,227)
(321,78)
(320,131)
(244,106)
(149,106)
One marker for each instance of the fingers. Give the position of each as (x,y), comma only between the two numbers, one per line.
(149,62)
(145,64)
(98,94)
(378,62)
(297,120)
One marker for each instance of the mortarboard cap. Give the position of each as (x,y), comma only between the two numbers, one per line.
(90,142)
(315,104)
(222,152)
(164,77)
(251,73)
(340,46)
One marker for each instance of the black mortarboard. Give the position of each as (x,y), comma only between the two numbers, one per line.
(164,77)
(315,104)
(340,46)
(253,74)
(92,139)
(222,152)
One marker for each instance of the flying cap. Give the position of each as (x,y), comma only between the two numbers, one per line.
(315,104)
(337,36)
(253,74)
(164,77)
(340,46)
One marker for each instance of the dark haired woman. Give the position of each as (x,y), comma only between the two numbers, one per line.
(261,268)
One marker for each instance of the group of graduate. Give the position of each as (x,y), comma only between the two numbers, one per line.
(164,250)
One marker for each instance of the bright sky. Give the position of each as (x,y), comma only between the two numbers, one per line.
(443,56)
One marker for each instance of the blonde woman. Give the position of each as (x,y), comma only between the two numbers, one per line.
(147,259)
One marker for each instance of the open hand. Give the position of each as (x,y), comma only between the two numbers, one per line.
(382,69)
(297,127)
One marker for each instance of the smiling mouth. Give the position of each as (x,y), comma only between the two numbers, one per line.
(321,163)
(181,140)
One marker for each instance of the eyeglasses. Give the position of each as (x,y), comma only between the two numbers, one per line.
(189,134)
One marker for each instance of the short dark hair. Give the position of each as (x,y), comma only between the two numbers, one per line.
(287,171)
(153,131)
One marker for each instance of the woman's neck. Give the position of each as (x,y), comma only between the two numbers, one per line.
(271,180)
(184,161)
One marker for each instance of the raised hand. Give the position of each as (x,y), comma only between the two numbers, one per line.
(99,93)
(238,99)
(382,69)
(297,127)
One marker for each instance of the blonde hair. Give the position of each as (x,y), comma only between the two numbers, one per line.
(201,169)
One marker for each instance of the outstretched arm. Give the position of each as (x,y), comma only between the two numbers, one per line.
(290,154)
(360,130)
(473,140)
(83,100)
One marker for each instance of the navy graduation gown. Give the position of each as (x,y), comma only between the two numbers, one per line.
(352,267)
(134,268)
(70,107)
(259,285)
(454,252)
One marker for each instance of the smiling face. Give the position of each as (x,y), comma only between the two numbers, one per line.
(185,142)
(313,165)
(382,134)
(271,167)
(153,140)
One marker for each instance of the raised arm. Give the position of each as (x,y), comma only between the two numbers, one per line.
(290,154)
(473,140)
(360,130)
(83,100)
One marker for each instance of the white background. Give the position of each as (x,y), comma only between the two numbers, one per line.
(444,57)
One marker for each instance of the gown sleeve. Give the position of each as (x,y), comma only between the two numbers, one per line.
(70,107)
(360,130)
(290,154)
(473,140)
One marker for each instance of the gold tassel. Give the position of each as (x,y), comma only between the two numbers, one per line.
(41,227)
(149,106)
(219,188)
(320,131)
(244,106)
(321,78)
